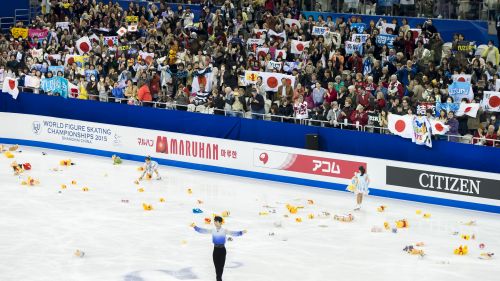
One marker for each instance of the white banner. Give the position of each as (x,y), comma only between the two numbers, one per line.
(361,37)
(320,31)
(276,65)
(64,25)
(351,47)
(387,28)
(273,160)
(497,85)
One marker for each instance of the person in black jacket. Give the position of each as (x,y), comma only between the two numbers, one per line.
(286,110)
(256,103)
(218,102)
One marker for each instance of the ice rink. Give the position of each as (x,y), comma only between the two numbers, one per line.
(40,228)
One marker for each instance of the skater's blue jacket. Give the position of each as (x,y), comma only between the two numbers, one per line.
(218,236)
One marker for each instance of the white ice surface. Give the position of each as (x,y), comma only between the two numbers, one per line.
(40,229)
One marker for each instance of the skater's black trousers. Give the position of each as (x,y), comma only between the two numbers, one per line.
(219,257)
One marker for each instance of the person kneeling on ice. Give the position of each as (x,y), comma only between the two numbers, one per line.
(219,239)
(150,167)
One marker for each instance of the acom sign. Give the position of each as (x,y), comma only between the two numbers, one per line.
(440,182)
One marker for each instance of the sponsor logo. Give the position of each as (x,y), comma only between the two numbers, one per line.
(440,182)
(188,148)
(36,127)
(306,164)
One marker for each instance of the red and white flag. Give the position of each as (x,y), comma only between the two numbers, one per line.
(111,41)
(73,90)
(10,86)
(261,52)
(491,101)
(55,57)
(122,31)
(273,34)
(299,46)
(147,57)
(94,38)
(400,125)
(439,127)
(280,54)
(83,45)
(132,28)
(259,33)
(292,22)
(271,80)
(469,109)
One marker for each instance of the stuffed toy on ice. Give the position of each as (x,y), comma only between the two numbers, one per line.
(344,218)
(116,160)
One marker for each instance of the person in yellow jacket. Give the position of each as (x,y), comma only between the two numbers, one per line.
(82,89)
(491,54)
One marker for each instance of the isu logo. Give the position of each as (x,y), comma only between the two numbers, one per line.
(36,127)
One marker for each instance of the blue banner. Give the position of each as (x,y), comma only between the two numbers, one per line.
(385,39)
(446,107)
(56,68)
(385,3)
(55,85)
(360,27)
(459,90)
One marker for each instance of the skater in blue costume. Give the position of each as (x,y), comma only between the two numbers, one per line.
(219,239)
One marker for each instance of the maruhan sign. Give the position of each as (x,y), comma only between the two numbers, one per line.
(448,183)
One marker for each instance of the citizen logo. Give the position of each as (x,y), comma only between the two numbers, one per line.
(440,182)
(462,185)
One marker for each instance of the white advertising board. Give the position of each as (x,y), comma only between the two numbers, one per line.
(385,175)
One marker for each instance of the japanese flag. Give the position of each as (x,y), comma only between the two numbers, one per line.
(299,46)
(439,128)
(132,28)
(10,86)
(122,31)
(292,22)
(83,45)
(147,57)
(73,90)
(280,54)
(401,125)
(261,52)
(491,101)
(469,109)
(94,38)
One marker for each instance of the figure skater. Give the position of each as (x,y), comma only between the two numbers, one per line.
(219,239)
(361,181)
(150,167)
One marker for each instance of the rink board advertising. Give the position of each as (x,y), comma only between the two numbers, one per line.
(402,180)
(440,182)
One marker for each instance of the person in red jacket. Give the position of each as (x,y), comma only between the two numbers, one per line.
(356,63)
(359,117)
(395,89)
(144,94)
(363,98)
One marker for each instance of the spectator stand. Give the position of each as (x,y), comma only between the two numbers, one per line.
(476,30)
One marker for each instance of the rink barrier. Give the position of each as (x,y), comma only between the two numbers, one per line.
(261,176)
(351,142)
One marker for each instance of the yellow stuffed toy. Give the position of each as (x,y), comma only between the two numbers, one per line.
(461,251)
(402,223)
(147,207)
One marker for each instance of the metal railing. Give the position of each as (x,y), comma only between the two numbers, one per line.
(172,105)
(6,23)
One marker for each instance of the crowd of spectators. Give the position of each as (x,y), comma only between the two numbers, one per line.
(331,88)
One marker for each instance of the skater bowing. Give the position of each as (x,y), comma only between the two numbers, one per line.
(219,240)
